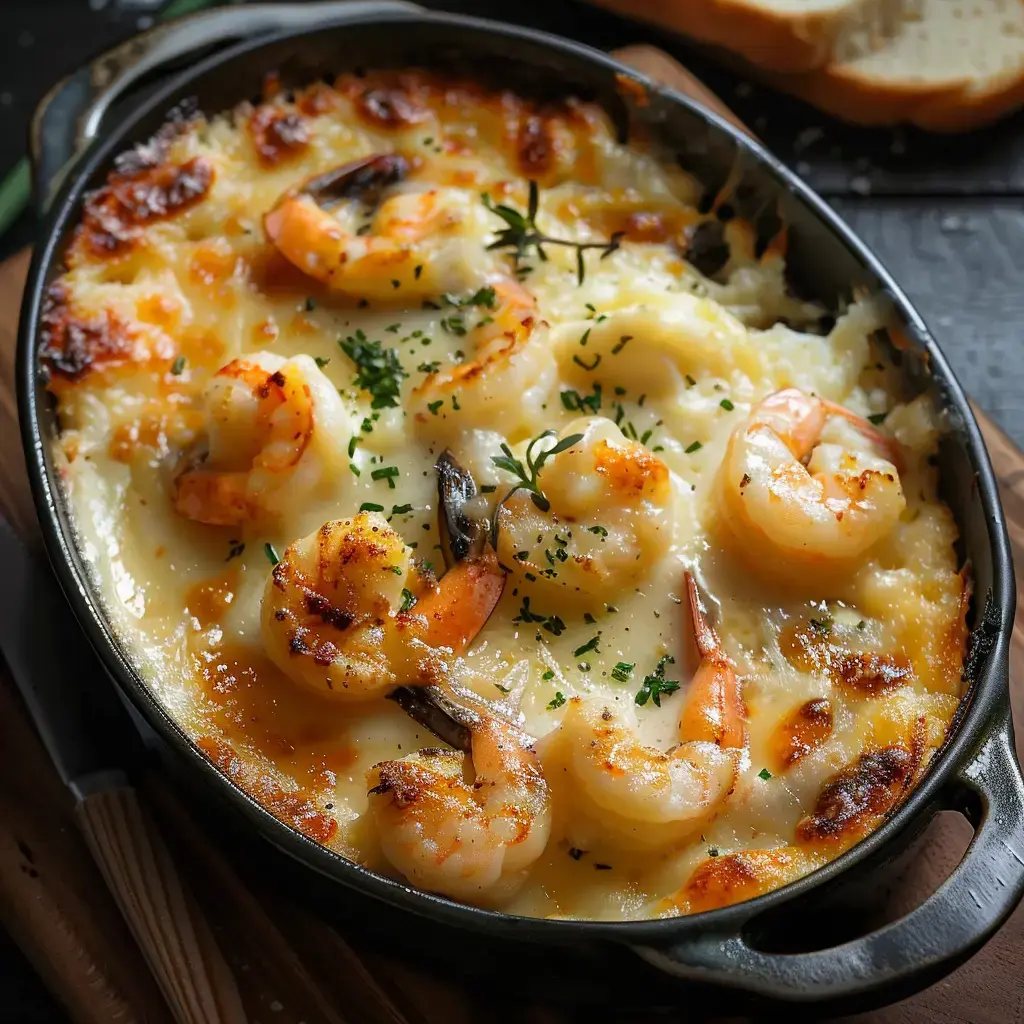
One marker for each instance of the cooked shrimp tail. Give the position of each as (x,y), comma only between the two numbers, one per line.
(714,708)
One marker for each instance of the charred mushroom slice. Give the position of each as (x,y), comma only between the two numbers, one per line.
(436,711)
(362,180)
(461,536)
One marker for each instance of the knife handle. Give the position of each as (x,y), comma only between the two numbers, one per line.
(162,915)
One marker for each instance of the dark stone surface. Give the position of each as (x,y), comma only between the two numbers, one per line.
(944,214)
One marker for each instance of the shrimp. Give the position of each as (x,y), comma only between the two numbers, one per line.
(646,798)
(348,614)
(466,827)
(419,244)
(789,495)
(609,516)
(272,437)
(511,373)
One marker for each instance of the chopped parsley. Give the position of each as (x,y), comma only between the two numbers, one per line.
(727,405)
(408,600)
(378,369)
(550,674)
(557,701)
(822,625)
(656,684)
(590,645)
(695,447)
(481,297)
(236,549)
(385,473)
(593,366)
(621,344)
(371,506)
(400,510)
(429,367)
(272,556)
(599,530)
(178,366)
(573,401)
(764,775)
(623,671)
(434,406)
(877,417)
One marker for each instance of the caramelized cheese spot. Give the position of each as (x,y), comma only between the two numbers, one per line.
(722,881)
(115,215)
(277,134)
(855,800)
(802,731)
(296,809)
(73,344)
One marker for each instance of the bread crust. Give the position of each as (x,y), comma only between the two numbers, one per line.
(952,107)
(788,43)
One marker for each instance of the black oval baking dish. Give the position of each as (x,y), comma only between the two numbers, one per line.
(976,772)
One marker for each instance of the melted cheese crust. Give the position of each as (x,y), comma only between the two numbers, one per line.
(170,276)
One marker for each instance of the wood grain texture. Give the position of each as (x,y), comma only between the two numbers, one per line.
(293,966)
(163,916)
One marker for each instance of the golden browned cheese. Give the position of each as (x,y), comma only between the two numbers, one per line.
(222,397)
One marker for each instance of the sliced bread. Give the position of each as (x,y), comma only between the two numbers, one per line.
(953,65)
(779,35)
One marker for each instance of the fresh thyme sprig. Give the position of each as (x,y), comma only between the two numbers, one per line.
(527,474)
(522,234)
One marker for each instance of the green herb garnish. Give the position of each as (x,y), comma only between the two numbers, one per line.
(521,234)
(623,671)
(656,684)
(528,474)
(378,369)
(385,473)
(556,702)
(272,556)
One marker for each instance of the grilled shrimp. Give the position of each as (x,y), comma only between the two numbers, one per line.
(642,796)
(335,617)
(272,437)
(418,243)
(609,517)
(509,377)
(807,481)
(465,826)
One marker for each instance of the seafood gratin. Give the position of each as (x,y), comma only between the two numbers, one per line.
(473,490)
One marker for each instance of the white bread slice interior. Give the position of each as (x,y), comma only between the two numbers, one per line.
(777,35)
(953,65)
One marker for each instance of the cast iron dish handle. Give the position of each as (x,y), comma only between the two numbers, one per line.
(71,115)
(954,921)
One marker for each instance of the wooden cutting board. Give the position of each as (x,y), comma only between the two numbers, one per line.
(290,964)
